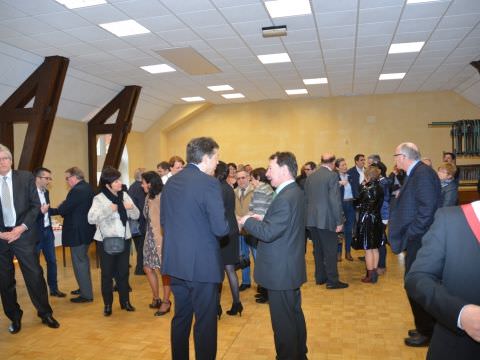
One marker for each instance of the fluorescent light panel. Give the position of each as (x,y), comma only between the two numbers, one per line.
(125,28)
(75,4)
(193,99)
(420,1)
(315,81)
(392,76)
(157,69)
(406,47)
(274,58)
(283,8)
(296,91)
(220,87)
(233,96)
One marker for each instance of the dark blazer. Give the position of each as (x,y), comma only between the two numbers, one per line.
(444,278)
(324,205)
(138,196)
(76,230)
(449,194)
(193,219)
(355,177)
(229,244)
(412,212)
(26,202)
(280,262)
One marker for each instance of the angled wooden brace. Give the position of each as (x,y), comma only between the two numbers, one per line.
(125,102)
(44,85)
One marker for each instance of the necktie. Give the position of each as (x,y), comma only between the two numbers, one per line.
(8,219)
(242,194)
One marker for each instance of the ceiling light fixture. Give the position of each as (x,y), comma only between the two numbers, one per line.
(406,47)
(220,87)
(233,96)
(157,69)
(315,81)
(273,31)
(296,91)
(420,1)
(283,8)
(125,28)
(76,4)
(193,99)
(392,76)
(274,58)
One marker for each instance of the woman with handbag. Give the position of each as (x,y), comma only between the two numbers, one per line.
(110,211)
(152,248)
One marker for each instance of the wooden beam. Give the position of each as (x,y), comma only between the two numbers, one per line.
(44,86)
(125,103)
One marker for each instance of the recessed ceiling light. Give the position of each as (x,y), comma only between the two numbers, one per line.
(420,1)
(75,4)
(125,28)
(159,68)
(315,81)
(406,47)
(393,76)
(233,96)
(274,58)
(220,87)
(193,99)
(283,8)
(296,91)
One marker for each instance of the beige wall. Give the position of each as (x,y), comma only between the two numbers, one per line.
(250,132)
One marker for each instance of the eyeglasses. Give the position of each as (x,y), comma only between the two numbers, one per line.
(241,178)
(68,177)
(395,155)
(5,158)
(45,177)
(307,169)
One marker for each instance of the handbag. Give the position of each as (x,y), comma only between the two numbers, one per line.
(134,227)
(113,245)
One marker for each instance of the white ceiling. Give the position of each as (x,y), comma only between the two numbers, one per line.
(344,40)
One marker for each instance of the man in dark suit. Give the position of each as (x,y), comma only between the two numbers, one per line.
(193,219)
(19,208)
(444,280)
(325,220)
(77,233)
(280,265)
(411,215)
(356,174)
(43,176)
(138,196)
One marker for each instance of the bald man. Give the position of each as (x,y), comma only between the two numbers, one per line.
(325,220)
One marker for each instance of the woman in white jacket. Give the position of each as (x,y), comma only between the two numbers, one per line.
(110,211)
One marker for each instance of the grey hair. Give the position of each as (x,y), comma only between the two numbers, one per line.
(138,174)
(375,158)
(410,150)
(6,150)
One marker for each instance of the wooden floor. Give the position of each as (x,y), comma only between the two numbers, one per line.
(362,322)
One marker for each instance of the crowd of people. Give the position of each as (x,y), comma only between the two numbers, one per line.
(194,222)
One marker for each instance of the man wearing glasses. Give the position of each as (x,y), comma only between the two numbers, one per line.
(43,177)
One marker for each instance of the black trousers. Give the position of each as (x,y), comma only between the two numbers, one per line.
(325,246)
(138,241)
(24,249)
(114,266)
(288,323)
(424,322)
(200,299)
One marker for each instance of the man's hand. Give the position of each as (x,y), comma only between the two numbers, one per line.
(470,321)
(114,207)
(128,205)
(44,208)
(15,234)
(339,228)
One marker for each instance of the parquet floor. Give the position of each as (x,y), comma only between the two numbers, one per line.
(362,322)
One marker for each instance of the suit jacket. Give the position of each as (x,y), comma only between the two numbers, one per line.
(412,212)
(324,205)
(138,196)
(280,262)
(355,177)
(444,278)
(26,202)
(76,230)
(193,219)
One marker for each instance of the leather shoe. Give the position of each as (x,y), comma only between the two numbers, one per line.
(127,306)
(413,332)
(320,282)
(107,310)
(80,299)
(15,326)
(337,285)
(261,300)
(244,287)
(50,322)
(57,293)
(75,292)
(417,341)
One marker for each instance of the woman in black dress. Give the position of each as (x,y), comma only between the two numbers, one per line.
(229,244)
(369,226)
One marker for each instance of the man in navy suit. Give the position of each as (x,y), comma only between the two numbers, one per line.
(411,215)
(43,176)
(356,174)
(444,279)
(280,265)
(19,208)
(193,219)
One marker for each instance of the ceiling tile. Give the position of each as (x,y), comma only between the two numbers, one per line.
(340,18)
(90,33)
(63,20)
(215,32)
(448,34)
(101,14)
(425,10)
(57,38)
(371,29)
(180,7)
(411,37)
(417,25)
(28,26)
(136,9)
(333,44)
(245,13)
(461,7)
(459,21)
(203,18)
(373,15)
(35,7)
(302,46)
(337,32)
(321,6)
(8,12)
(367,4)
(300,36)
(378,40)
